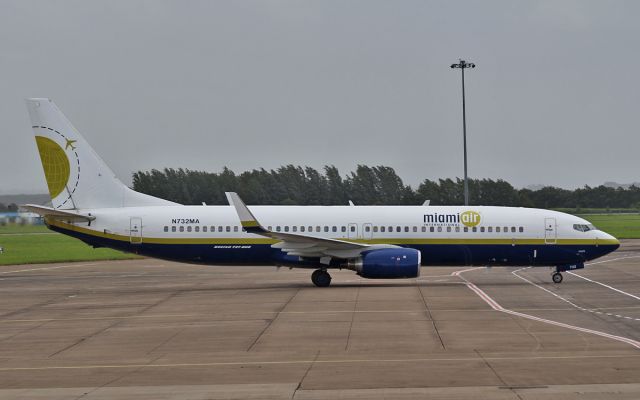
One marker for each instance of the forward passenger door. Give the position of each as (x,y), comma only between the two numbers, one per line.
(550,231)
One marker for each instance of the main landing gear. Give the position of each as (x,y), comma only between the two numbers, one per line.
(321,278)
(556,277)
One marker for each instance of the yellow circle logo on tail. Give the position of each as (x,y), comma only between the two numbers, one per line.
(55,164)
(470,218)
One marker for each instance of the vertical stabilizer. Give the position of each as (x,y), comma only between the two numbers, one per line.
(76,176)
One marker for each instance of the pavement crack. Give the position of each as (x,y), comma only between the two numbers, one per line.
(305,374)
(114,324)
(271,321)
(353,316)
(504,384)
(433,321)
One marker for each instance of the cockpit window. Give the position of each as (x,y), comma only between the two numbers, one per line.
(584,227)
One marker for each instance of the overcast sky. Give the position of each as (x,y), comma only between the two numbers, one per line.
(554,99)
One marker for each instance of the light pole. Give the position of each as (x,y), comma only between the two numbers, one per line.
(463,65)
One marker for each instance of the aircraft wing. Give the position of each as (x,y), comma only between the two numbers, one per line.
(299,245)
(57,214)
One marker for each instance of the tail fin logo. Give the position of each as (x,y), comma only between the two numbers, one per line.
(59,170)
(70,144)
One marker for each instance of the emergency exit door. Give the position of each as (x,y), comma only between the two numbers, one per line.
(135,230)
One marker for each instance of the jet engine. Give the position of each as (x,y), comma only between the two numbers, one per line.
(387,264)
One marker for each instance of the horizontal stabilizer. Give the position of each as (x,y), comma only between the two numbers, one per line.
(58,214)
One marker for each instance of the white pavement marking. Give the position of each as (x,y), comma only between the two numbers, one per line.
(607,286)
(47,268)
(591,310)
(494,304)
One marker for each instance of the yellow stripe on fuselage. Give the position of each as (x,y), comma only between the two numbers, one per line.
(396,241)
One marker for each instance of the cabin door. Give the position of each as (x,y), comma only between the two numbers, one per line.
(550,232)
(135,230)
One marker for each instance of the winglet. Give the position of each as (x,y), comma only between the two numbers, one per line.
(247,220)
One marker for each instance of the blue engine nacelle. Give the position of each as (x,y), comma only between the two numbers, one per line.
(387,264)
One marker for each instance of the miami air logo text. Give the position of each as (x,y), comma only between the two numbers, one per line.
(470,218)
(466,218)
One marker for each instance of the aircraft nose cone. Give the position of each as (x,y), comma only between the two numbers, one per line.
(610,241)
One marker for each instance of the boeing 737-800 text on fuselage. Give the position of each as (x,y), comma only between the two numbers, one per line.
(91,204)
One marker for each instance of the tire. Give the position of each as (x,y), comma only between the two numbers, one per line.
(557,277)
(321,278)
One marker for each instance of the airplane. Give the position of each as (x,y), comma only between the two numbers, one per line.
(379,242)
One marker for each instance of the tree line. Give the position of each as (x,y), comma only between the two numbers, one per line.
(378,185)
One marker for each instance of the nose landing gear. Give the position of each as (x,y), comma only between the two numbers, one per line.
(321,278)
(557,276)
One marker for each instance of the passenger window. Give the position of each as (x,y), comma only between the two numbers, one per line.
(466,229)
(334,229)
(415,229)
(506,229)
(498,229)
(188,228)
(513,229)
(173,229)
(521,229)
(490,229)
(482,229)
(182,229)
(406,229)
(294,228)
(302,228)
(457,229)
(390,229)
(326,228)
(311,229)
(278,228)
(318,228)
(220,228)
(352,228)
(235,228)
(166,228)
(474,229)
(228,228)
(424,229)
(213,229)
(448,229)
(367,228)
(204,228)
(382,229)
(286,228)
(431,229)
(398,228)
(197,229)
(375,228)
(439,229)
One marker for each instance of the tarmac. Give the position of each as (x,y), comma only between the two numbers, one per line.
(149,329)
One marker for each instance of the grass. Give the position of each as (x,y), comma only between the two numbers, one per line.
(622,226)
(34,244)
(17,228)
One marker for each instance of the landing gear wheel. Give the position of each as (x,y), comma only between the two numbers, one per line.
(557,277)
(321,278)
